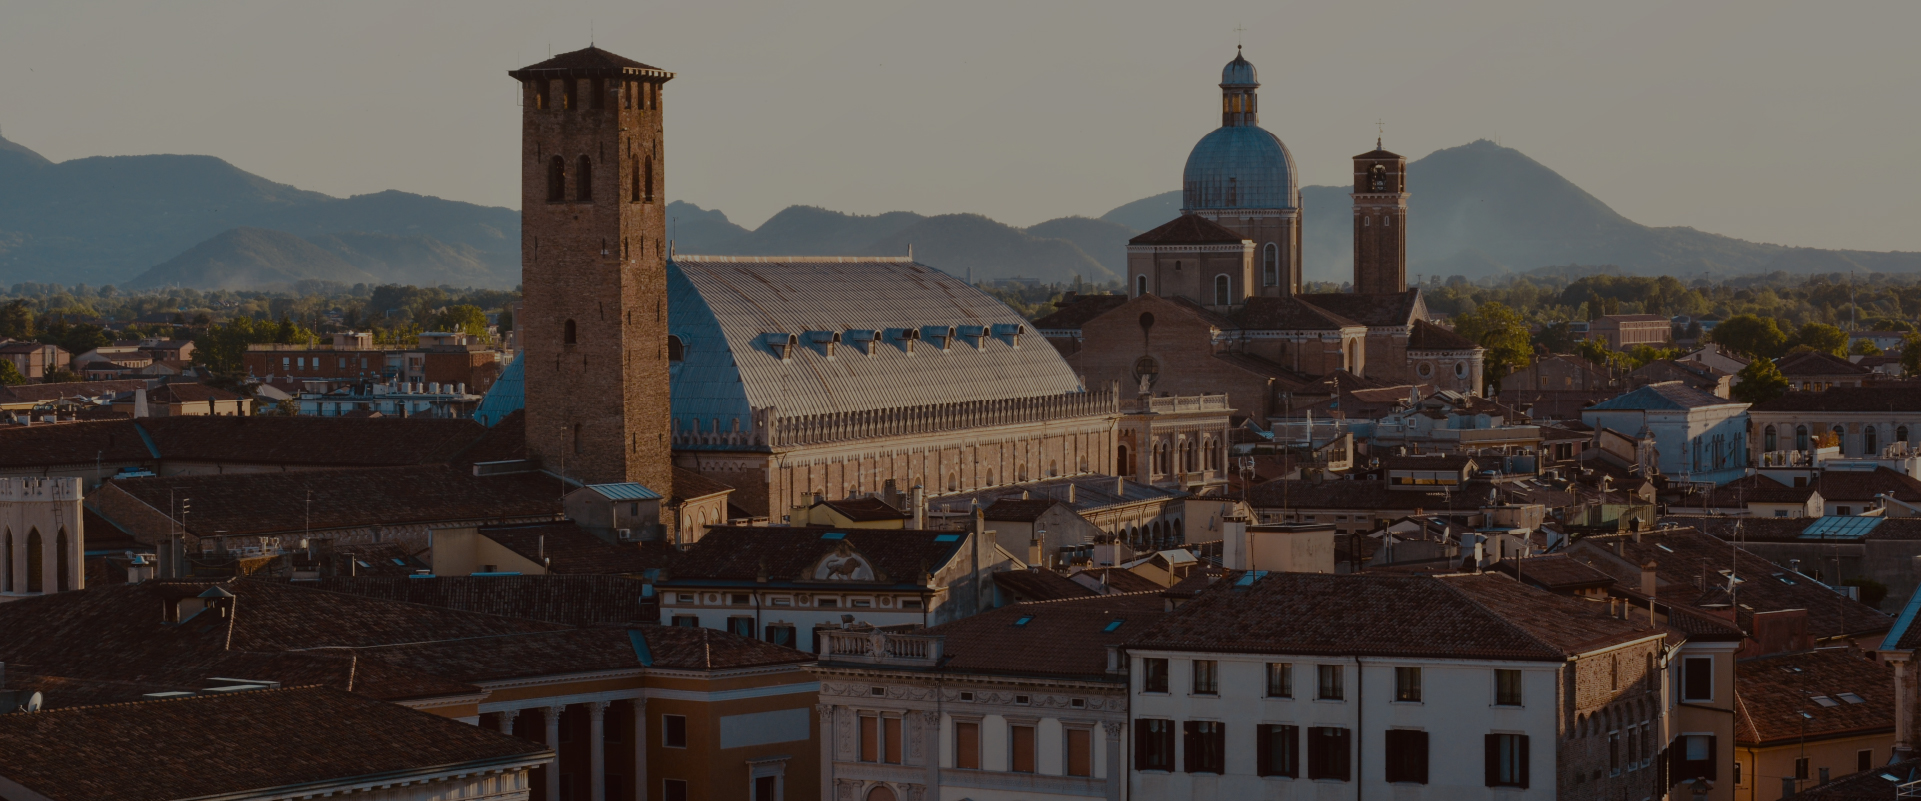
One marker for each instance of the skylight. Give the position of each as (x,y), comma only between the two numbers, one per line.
(1024,620)
(834,535)
(1664,547)
(1851,698)
(948,538)
(1114,625)
(1825,701)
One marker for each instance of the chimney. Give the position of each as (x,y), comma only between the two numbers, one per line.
(1070,493)
(1120,486)
(1035,552)
(1648,583)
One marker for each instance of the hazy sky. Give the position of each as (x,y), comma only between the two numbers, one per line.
(1778,122)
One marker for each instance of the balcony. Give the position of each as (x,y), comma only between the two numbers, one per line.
(877,647)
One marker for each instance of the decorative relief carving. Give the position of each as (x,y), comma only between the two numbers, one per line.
(1114,728)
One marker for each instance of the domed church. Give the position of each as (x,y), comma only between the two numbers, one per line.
(1214,298)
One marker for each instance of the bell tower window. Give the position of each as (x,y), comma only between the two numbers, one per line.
(1223,291)
(1271,265)
(568,334)
(556,179)
(584,180)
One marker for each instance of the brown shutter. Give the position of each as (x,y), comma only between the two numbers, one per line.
(1142,745)
(1345,755)
(967,746)
(1190,747)
(1417,766)
(1392,763)
(1316,753)
(1080,752)
(1023,744)
(1522,759)
(1263,750)
(1491,743)
(892,727)
(869,738)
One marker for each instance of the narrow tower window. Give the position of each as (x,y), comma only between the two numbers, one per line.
(1140,285)
(556,179)
(648,181)
(567,335)
(584,180)
(539,89)
(627,97)
(600,94)
(1222,289)
(635,198)
(35,581)
(567,92)
(577,444)
(1271,265)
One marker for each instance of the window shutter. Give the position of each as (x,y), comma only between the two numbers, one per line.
(1714,755)
(1263,750)
(1316,753)
(1417,742)
(1396,755)
(1343,755)
(1523,759)
(1491,744)
(1190,747)
(1142,745)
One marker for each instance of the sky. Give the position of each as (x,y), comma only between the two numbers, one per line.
(1777,122)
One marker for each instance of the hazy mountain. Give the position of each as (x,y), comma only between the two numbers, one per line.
(251,257)
(1482,209)
(1104,240)
(108,219)
(970,245)
(419,260)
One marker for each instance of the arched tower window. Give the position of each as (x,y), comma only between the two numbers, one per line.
(634,195)
(6,561)
(1800,438)
(1869,442)
(584,180)
(1377,181)
(556,179)
(62,562)
(569,88)
(35,582)
(1901,434)
(1140,285)
(676,351)
(539,89)
(1223,290)
(1768,439)
(1841,438)
(1271,265)
(568,334)
(647,181)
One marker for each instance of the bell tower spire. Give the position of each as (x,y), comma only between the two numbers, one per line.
(1380,221)
(1240,100)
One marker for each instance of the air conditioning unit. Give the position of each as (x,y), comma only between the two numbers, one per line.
(626,534)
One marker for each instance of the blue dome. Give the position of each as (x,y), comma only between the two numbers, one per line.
(1239,167)
(1239,72)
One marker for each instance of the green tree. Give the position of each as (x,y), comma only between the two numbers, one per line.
(1502,332)
(221,347)
(16,320)
(1911,354)
(1758,382)
(1872,592)
(1864,347)
(59,375)
(1821,337)
(1639,355)
(1595,351)
(1755,336)
(506,319)
(463,319)
(10,375)
(1556,337)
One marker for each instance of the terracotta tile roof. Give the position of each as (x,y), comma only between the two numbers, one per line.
(1119,580)
(1555,404)
(276,502)
(1772,692)
(112,441)
(680,648)
(314,441)
(1843,486)
(588,59)
(1287,313)
(1064,638)
(1206,315)
(689,485)
(1070,316)
(865,509)
(567,548)
(1428,336)
(491,659)
(245,742)
(1683,555)
(1817,363)
(1845,399)
(1358,495)
(1875,784)
(1555,572)
(732,554)
(41,393)
(1196,582)
(1019,510)
(1264,368)
(573,600)
(189,393)
(1382,310)
(1039,585)
(1457,617)
(505,441)
(1189,229)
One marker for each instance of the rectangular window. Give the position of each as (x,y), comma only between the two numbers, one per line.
(1280,680)
(1207,677)
(1863,760)
(1020,746)
(1801,768)
(1693,757)
(1080,752)
(766,788)
(1407,684)
(1614,752)
(1507,687)
(743,626)
(1330,688)
(869,738)
(891,726)
(1153,675)
(1205,745)
(1278,750)
(1507,760)
(782,635)
(1153,744)
(1328,754)
(673,789)
(1406,756)
(967,745)
(687,621)
(673,731)
(1697,678)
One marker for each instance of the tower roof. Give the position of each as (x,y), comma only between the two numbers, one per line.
(1378,153)
(1188,229)
(1239,72)
(589,62)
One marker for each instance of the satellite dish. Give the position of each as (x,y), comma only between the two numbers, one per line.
(34,701)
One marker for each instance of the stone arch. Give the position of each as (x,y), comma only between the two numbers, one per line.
(882,792)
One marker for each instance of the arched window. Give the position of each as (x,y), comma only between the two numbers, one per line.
(881,793)
(584,180)
(569,88)
(62,562)
(634,196)
(6,561)
(568,335)
(556,179)
(1870,442)
(1222,288)
(1140,285)
(539,87)
(647,187)
(35,582)
(1768,439)
(1271,265)
(1841,438)
(1121,463)
(1901,434)
(1800,438)
(676,351)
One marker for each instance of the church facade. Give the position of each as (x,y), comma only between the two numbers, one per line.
(1215,300)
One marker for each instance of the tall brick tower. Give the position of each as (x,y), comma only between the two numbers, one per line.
(593,322)
(1380,222)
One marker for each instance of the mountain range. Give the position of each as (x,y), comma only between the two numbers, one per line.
(148,221)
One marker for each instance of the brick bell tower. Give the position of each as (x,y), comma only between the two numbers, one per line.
(593,322)
(1380,222)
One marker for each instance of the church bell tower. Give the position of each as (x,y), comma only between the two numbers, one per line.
(593,322)
(1380,222)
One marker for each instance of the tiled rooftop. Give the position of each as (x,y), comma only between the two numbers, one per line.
(276,502)
(1840,689)
(780,555)
(567,548)
(1039,585)
(1063,638)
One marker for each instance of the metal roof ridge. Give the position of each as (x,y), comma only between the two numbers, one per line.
(778,259)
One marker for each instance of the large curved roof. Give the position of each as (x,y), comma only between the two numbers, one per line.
(732,312)
(1239,167)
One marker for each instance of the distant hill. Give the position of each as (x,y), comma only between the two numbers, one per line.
(108,219)
(1482,209)
(259,258)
